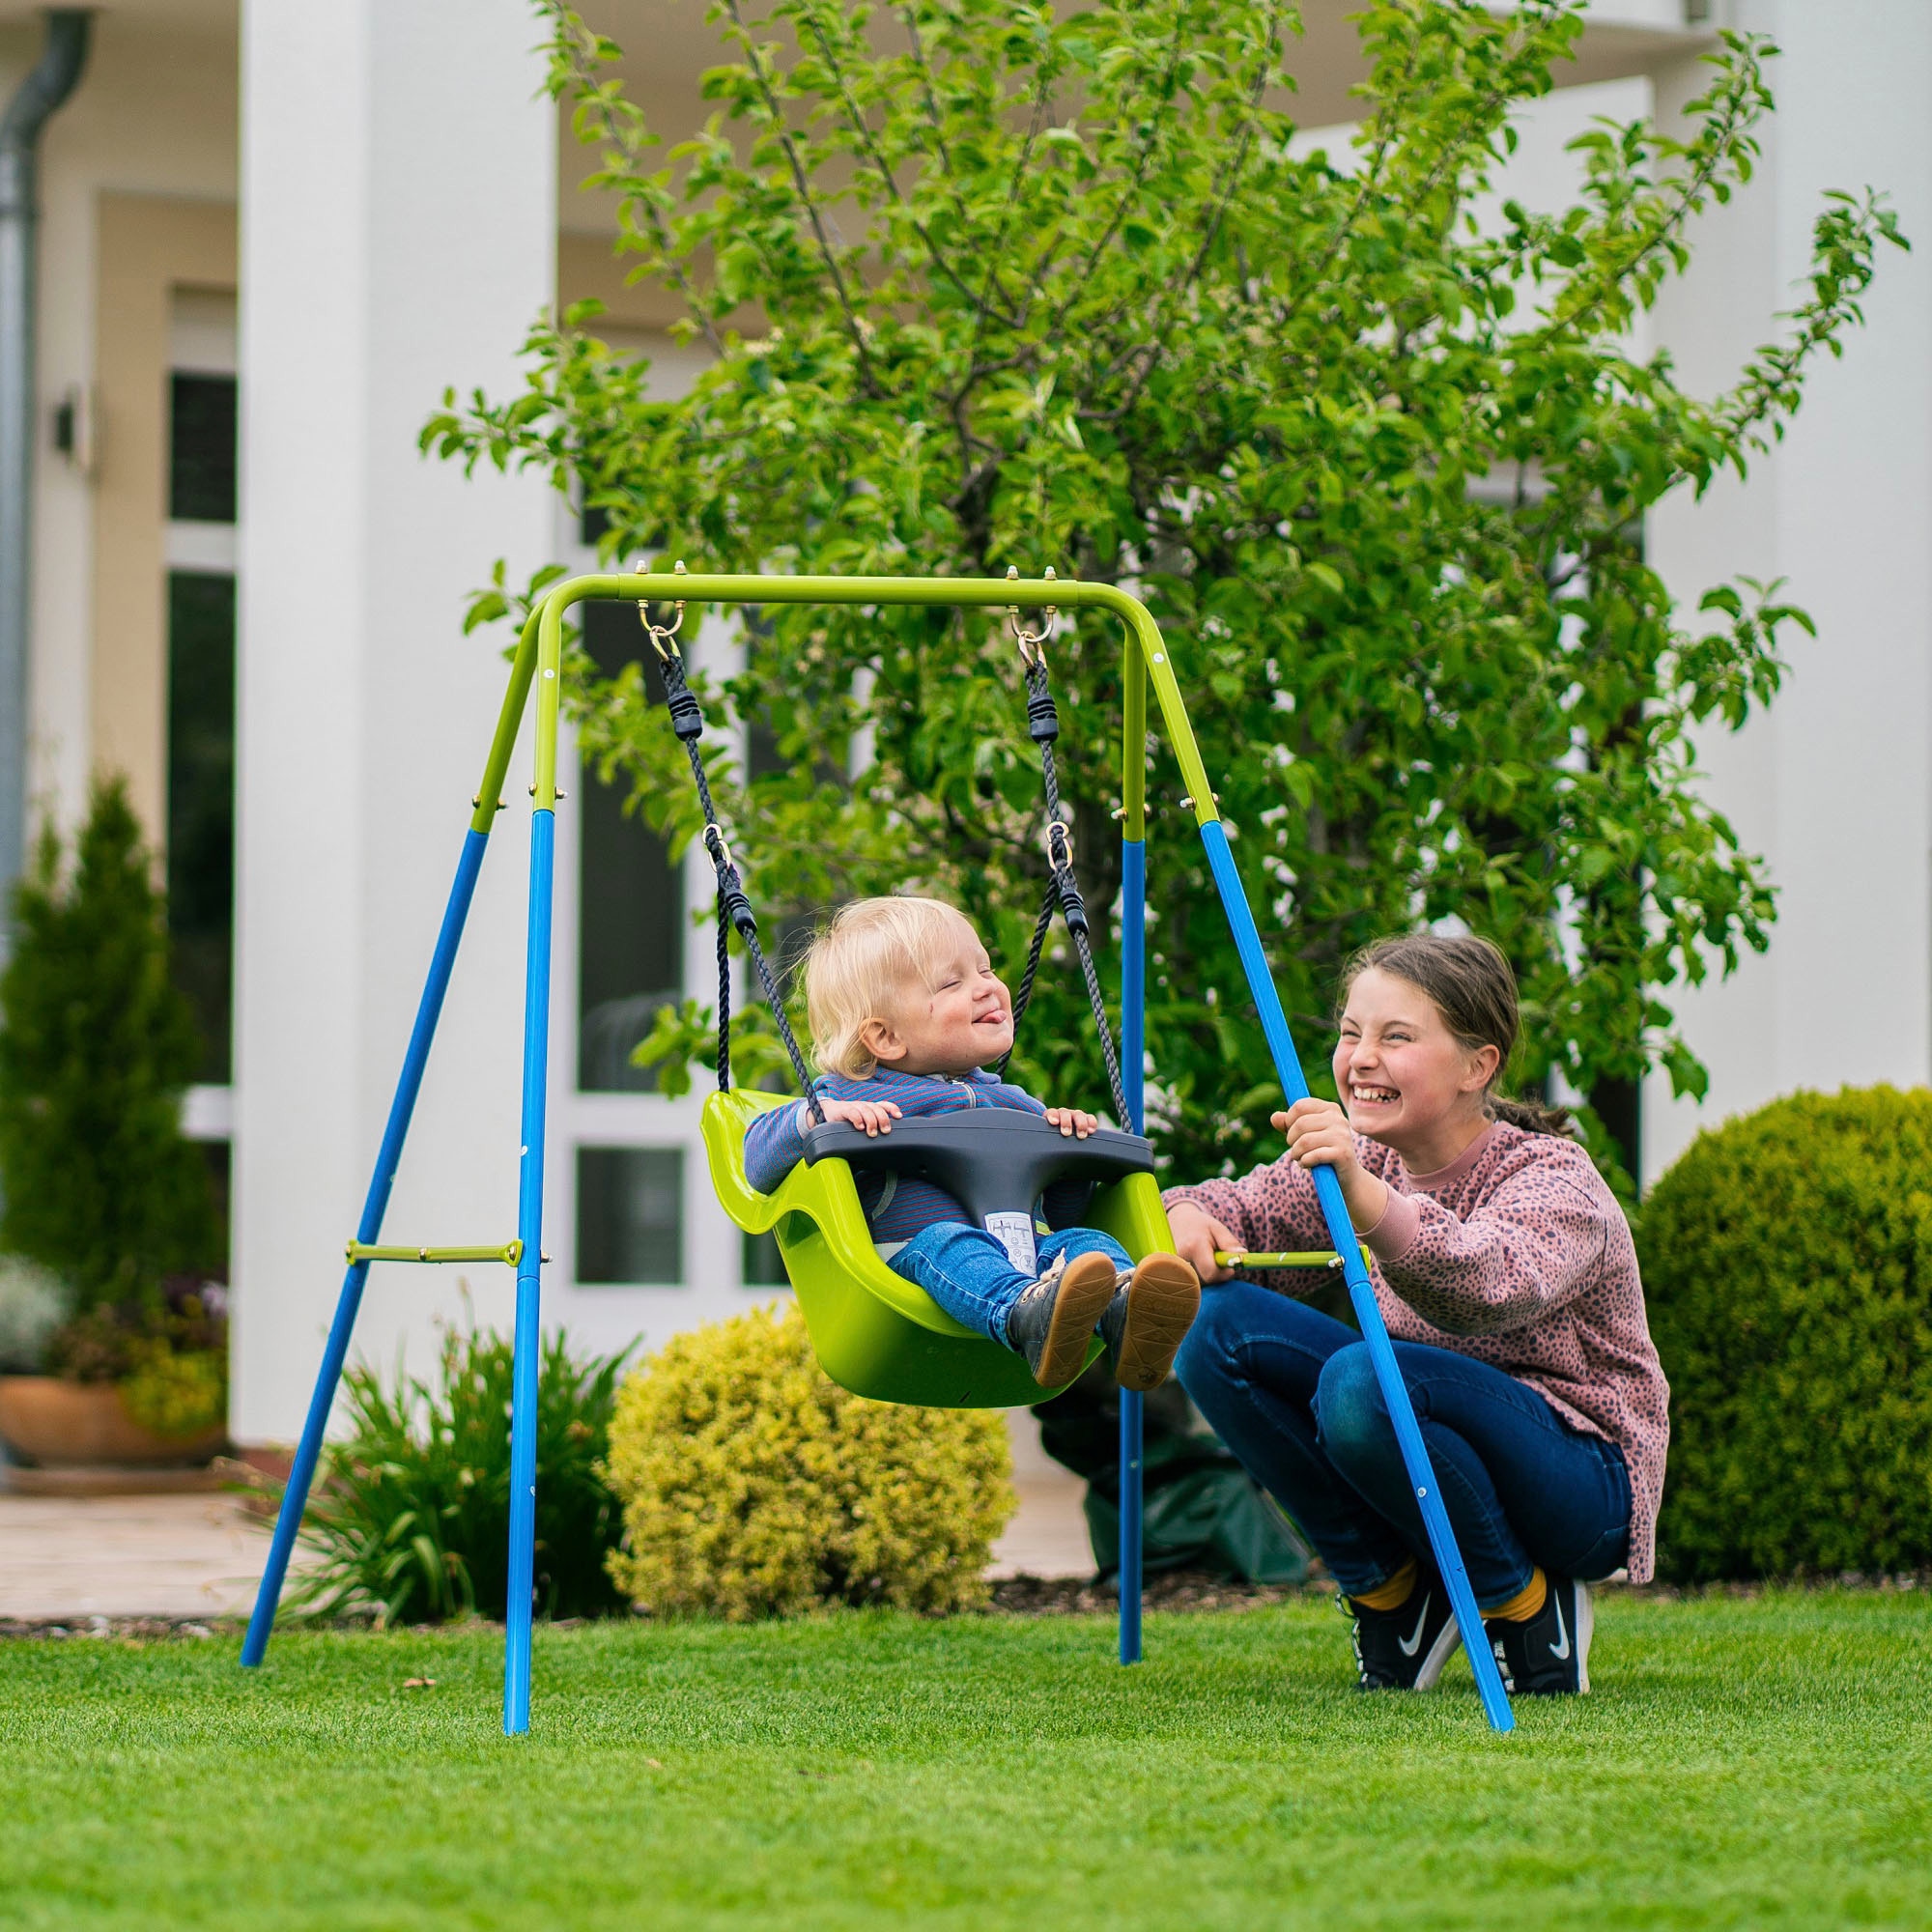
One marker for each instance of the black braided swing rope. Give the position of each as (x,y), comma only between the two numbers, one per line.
(734,908)
(1063,890)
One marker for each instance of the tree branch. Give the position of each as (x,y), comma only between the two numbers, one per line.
(775,118)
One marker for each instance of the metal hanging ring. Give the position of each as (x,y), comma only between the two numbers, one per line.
(1060,834)
(715,844)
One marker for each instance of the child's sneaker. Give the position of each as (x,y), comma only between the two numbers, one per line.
(1546,1654)
(1404,1649)
(1052,1322)
(1147,1318)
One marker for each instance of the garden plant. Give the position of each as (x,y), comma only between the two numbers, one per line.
(987,286)
(410,1520)
(754,1486)
(103,1194)
(1787,1262)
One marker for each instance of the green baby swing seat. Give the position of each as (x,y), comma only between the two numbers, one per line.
(876,1333)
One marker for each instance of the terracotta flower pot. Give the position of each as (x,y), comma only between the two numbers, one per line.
(83,1425)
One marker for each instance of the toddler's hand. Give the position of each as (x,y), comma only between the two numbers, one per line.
(876,1116)
(1071,1120)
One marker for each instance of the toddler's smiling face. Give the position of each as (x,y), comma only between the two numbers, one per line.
(961,1019)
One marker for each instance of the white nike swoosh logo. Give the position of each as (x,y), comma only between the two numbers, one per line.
(1560,1648)
(1412,1643)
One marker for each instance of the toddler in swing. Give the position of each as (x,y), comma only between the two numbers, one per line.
(906,1015)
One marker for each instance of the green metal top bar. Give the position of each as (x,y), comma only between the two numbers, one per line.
(490,793)
(539,658)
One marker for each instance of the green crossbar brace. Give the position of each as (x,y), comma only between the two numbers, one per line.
(1318,1258)
(510,1253)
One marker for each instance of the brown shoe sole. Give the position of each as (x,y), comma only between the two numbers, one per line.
(1163,1298)
(1086,1286)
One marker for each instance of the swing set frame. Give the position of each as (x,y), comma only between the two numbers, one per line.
(539,663)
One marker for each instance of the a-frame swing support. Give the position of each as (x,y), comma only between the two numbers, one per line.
(539,662)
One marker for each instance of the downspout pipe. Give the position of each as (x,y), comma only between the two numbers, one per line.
(35,101)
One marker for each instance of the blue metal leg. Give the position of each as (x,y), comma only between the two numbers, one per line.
(529,1285)
(1361,1291)
(1133,1078)
(295,1497)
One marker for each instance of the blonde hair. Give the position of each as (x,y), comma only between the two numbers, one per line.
(860,967)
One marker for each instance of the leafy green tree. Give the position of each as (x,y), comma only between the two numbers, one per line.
(96,1047)
(992,283)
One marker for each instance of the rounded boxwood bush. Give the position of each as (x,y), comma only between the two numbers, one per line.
(1787,1262)
(754,1486)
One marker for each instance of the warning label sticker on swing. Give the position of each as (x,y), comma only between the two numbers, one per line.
(1014,1234)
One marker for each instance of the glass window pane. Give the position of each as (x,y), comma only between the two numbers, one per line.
(630,899)
(201,805)
(201,461)
(762,1265)
(630,1214)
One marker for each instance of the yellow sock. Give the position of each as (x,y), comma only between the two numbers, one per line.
(1526,1602)
(1392,1595)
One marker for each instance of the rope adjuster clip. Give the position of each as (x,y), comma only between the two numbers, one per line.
(663,637)
(1031,644)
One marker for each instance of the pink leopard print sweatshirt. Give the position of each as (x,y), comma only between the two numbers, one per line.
(1518,1254)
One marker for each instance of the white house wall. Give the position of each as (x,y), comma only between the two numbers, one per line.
(398,235)
(1832,785)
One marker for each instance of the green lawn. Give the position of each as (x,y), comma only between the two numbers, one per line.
(1748,1762)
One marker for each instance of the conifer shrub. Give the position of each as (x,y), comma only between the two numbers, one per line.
(754,1486)
(1787,1262)
(97,1047)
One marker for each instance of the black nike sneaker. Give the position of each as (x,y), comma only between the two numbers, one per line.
(1548,1654)
(1404,1649)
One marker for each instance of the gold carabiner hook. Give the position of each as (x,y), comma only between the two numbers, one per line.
(1031,644)
(663,638)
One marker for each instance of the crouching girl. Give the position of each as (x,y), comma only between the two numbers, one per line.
(1505,1271)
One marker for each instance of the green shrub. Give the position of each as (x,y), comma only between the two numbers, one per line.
(176,1391)
(1787,1260)
(754,1486)
(96,1048)
(411,1517)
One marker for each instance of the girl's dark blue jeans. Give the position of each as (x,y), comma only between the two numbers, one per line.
(1294,1394)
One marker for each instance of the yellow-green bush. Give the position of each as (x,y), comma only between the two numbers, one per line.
(176,1391)
(1787,1262)
(754,1486)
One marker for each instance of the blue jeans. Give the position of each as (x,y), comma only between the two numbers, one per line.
(1294,1395)
(968,1273)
